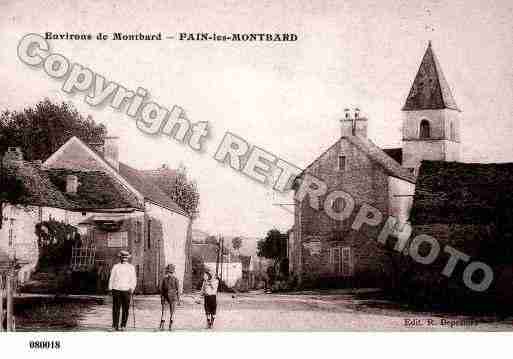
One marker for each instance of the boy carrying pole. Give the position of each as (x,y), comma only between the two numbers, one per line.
(169,295)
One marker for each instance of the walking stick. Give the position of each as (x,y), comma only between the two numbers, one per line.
(133,309)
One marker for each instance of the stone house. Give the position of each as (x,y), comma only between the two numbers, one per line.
(48,195)
(114,206)
(329,250)
(325,251)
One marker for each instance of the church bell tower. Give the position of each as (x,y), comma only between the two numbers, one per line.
(431,118)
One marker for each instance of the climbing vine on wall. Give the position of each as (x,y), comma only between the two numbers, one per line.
(55,240)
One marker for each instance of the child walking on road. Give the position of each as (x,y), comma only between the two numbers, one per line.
(209,292)
(169,295)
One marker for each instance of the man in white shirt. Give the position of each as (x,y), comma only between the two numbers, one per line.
(122,284)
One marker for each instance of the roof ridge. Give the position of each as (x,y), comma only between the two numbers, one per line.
(388,163)
(315,160)
(148,181)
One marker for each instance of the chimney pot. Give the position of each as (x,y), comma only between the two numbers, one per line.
(356,126)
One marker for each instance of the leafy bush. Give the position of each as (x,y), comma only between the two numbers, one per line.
(55,241)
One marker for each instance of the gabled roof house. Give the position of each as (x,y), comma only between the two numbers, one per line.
(87,186)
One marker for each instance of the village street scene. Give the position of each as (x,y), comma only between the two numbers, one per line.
(397,217)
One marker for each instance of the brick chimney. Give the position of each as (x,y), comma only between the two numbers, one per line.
(353,124)
(71,184)
(110,151)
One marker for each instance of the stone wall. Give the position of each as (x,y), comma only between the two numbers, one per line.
(18,237)
(317,233)
(175,234)
(439,146)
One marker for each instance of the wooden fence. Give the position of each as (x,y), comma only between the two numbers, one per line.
(83,257)
(7,288)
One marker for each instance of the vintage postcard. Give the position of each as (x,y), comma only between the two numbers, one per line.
(307,166)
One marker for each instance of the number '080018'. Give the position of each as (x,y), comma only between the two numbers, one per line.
(45,344)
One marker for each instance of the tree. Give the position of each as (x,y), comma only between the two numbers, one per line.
(55,240)
(40,130)
(211,240)
(11,189)
(273,246)
(237,243)
(179,188)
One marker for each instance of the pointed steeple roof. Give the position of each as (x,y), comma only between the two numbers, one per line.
(430,90)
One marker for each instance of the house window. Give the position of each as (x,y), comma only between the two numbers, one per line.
(341,163)
(117,239)
(346,262)
(341,260)
(335,259)
(149,234)
(424,129)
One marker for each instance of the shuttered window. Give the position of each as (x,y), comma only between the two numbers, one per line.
(341,163)
(341,260)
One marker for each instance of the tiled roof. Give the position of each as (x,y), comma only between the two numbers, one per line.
(453,192)
(148,188)
(38,189)
(96,190)
(47,188)
(161,177)
(374,152)
(170,173)
(142,181)
(430,89)
(391,166)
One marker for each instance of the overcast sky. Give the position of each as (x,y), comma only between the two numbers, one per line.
(284,97)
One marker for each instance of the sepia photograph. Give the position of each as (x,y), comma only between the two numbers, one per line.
(239,166)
